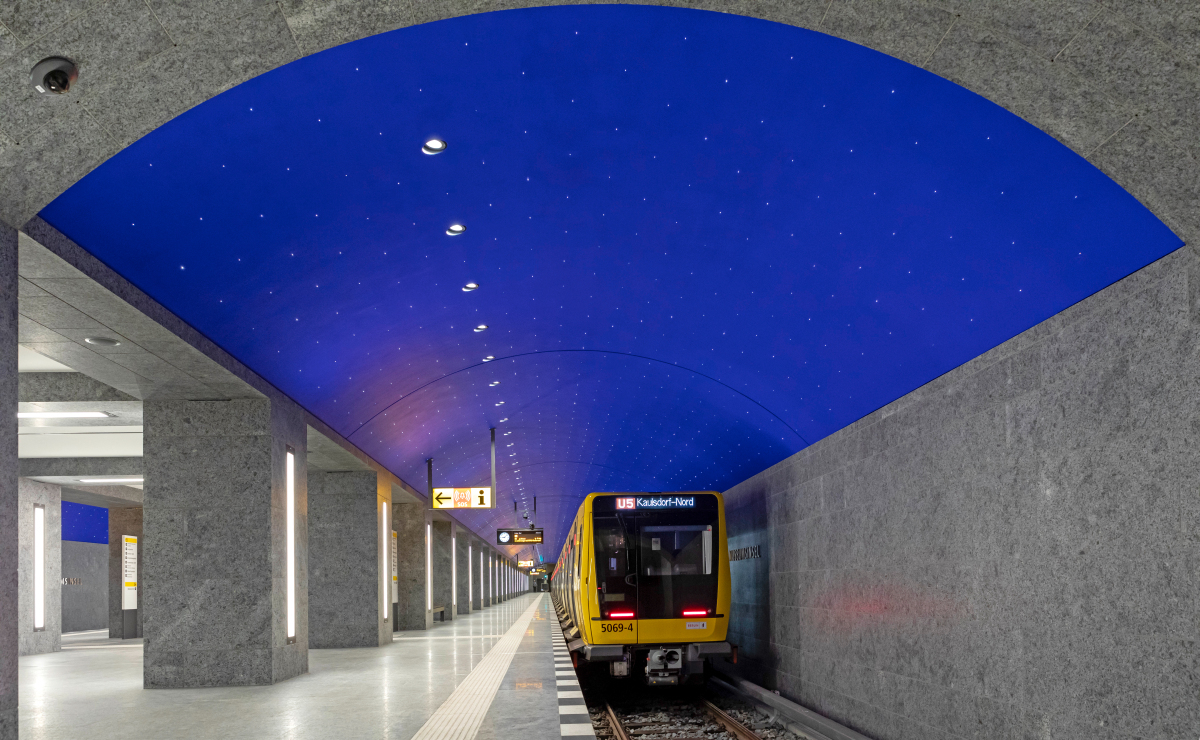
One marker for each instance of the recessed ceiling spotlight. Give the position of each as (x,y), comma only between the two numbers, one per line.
(470,286)
(502,420)
(102,341)
(494,383)
(489,358)
(500,403)
(481,327)
(110,480)
(434,146)
(456,229)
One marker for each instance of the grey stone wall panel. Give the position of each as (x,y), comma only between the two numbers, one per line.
(343,556)
(9,506)
(84,605)
(1010,557)
(49,640)
(409,523)
(215,528)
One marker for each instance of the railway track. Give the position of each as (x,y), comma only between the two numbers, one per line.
(669,720)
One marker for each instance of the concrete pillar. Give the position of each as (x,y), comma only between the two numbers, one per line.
(478,596)
(9,545)
(33,495)
(462,543)
(413,524)
(219,600)
(443,588)
(349,563)
(123,522)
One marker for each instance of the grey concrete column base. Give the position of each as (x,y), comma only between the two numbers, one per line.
(8,724)
(215,523)
(409,522)
(345,582)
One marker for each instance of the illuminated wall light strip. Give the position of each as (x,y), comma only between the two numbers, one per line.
(39,567)
(454,572)
(470,583)
(428,566)
(385,560)
(291,545)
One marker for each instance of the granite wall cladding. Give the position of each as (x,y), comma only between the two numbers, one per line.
(1009,551)
(84,604)
(29,494)
(216,541)
(9,537)
(343,561)
(122,522)
(409,521)
(478,571)
(443,586)
(462,584)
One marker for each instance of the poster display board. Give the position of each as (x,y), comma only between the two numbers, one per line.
(395,570)
(129,555)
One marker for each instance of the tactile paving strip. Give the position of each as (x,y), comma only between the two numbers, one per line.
(459,717)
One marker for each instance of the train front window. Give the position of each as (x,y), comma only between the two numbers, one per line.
(658,563)
(676,564)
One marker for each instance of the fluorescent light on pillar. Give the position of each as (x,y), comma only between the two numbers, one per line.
(428,566)
(291,545)
(470,589)
(454,572)
(39,567)
(384,586)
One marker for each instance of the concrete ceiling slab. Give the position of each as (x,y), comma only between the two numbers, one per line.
(60,308)
(108,497)
(32,363)
(75,468)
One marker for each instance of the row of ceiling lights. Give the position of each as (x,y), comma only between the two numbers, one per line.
(437,146)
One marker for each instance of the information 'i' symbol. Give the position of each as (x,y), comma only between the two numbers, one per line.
(481,498)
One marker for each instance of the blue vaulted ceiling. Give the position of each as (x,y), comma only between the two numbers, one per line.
(702,242)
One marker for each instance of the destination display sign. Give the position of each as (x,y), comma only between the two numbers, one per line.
(463,498)
(524,563)
(656,502)
(519,536)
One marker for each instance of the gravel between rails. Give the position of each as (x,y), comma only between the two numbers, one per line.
(666,717)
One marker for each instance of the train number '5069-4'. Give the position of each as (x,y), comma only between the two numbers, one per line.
(616,626)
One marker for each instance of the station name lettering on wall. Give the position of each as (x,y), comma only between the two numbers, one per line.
(745,553)
(72,581)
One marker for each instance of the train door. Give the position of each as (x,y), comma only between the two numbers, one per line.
(616,573)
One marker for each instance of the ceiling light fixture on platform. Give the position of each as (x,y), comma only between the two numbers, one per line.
(111,480)
(481,327)
(102,341)
(455,229)
(64,415)
(470,286)
(489,358)
(494,383)
(434,146)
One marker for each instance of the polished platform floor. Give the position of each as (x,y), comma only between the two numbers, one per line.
(424,685)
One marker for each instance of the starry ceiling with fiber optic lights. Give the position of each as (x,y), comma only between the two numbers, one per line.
(701,242)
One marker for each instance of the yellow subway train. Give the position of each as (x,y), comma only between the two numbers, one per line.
(642,583)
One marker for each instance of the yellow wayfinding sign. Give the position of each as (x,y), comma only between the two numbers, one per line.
(463,498)
(524,563)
